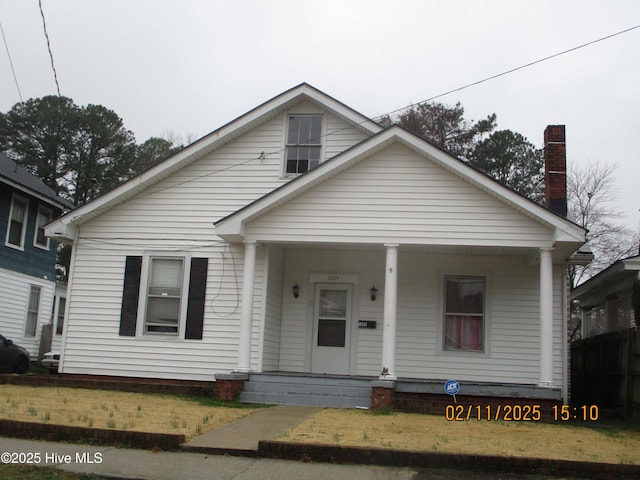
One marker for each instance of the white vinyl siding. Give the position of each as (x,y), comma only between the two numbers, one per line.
(398,196)
(177,215)
(14,298)
(512,308)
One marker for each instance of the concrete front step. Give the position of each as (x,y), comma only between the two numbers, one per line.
(307,390)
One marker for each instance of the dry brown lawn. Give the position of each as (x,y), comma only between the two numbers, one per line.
(116,410)
(169,414)
(431,433)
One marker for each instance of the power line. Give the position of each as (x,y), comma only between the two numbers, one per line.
(15,78)
(263,155)
(46,35)
(492,77)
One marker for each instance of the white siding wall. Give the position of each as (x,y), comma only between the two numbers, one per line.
(177,215)
(15,297)
(398,196)
(273,309)
(512,340)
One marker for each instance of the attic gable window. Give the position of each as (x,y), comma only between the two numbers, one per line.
(303,145)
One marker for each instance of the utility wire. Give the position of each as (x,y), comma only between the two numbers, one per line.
(53,67)
(492,77)
(15,78)
(263,155)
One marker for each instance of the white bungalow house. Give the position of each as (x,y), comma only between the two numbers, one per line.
(302,244)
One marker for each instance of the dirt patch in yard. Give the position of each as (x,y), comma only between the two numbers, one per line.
(114,410)
(405,431)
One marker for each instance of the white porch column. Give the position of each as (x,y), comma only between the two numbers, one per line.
(246,312)
(546,317)
(390,308)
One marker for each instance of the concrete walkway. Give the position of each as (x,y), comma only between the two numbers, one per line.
(243,436)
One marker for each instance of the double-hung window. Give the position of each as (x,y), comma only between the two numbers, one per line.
(167,299)
(304,137)
(33,309)
(464,313)
(164,295)
(45,215)
(62,304)
(17,222)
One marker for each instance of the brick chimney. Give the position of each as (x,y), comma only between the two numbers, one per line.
(555,169)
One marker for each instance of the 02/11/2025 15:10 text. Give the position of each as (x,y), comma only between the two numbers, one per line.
(521,413)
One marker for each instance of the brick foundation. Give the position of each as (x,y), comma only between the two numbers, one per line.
(229,386)
(382,394)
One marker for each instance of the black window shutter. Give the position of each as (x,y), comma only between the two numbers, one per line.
(195,305)
(130,296)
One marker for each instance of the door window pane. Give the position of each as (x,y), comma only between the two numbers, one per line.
(333,303)
(331,333)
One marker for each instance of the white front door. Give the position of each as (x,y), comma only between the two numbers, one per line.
(331,329)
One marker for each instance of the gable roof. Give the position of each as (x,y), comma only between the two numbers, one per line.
(17,176)
(232,226)
(213,141)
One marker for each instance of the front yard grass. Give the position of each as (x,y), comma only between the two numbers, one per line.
(591,442)
(151,413)
(598,441)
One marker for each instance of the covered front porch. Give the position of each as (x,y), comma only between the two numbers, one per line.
(374,315)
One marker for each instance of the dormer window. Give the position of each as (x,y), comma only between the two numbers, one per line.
(304,134)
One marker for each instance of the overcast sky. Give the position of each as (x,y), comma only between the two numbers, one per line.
(188,66)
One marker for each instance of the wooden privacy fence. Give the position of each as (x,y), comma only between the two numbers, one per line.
(605,371)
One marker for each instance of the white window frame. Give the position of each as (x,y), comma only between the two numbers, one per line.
(31,313)
(320,144)
(48,213)
(61,304)
(25,216)
(141,328)
(485,316)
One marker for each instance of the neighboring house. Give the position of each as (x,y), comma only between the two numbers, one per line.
(606,300)
(305,240)
(27,256)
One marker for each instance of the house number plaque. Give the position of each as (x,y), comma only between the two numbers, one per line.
(367,324)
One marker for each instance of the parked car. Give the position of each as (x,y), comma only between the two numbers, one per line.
(51,360)
(13,358)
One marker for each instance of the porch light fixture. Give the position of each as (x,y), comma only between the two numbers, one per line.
(373,291)
(296,291)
